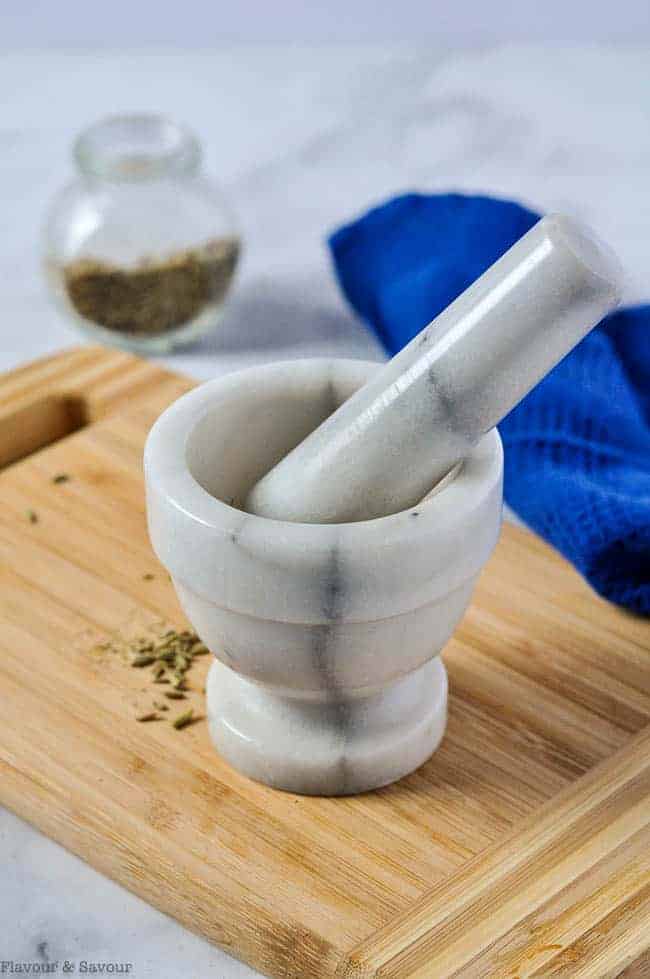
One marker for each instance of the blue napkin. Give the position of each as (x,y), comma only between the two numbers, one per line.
(577,448)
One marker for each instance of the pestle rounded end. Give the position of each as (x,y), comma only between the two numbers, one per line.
(594,254)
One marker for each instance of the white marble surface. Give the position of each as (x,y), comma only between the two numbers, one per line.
(301,139)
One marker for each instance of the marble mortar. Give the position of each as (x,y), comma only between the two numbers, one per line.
(327,678)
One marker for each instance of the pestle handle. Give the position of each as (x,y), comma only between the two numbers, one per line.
(396,437)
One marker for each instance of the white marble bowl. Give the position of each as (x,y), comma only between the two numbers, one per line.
(326,636)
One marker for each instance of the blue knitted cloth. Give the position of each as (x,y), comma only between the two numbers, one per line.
(577,448)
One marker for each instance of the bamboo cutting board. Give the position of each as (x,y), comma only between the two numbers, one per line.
(522,848)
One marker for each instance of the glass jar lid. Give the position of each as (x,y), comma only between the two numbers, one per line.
(139,146)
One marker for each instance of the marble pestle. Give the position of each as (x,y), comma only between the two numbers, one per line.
(385,448)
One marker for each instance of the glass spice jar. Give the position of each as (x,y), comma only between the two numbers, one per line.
(141,248)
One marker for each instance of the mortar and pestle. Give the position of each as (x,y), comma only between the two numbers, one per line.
(325,521)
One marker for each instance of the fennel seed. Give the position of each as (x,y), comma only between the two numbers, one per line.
(184,719)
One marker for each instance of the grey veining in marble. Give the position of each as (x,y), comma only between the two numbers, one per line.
(424,411)
(323,633)
(302,140)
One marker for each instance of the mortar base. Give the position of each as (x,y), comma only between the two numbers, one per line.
(327,748)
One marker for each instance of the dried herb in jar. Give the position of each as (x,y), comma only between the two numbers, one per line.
(156,295)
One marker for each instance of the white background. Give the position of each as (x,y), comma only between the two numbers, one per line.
(202,23)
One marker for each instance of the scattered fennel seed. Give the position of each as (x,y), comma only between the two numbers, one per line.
(171,656)
(32,516)
(61,478)
(148,716)
(183,719)
(199,649)
(165,656)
